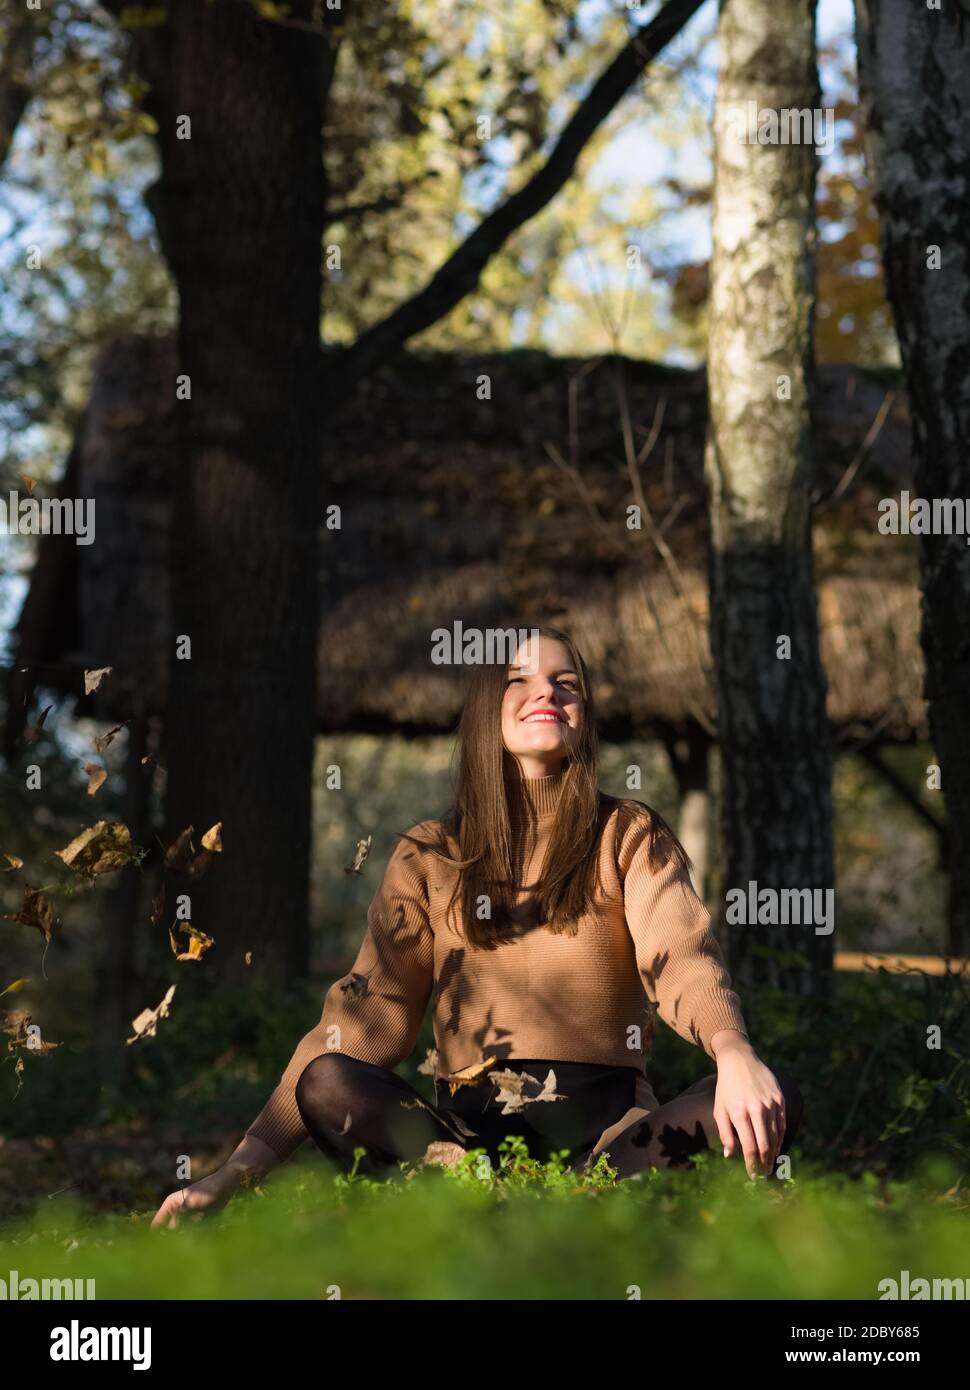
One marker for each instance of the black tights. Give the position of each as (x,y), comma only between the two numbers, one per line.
(347,1104)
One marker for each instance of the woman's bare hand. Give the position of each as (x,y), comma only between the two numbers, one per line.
(208,1194)
(748,1100)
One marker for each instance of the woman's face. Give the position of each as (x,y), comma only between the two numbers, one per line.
(542,709)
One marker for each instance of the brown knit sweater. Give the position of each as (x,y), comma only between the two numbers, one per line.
(646,942)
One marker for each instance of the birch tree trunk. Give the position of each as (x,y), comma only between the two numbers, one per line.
(772,726)
(914,76)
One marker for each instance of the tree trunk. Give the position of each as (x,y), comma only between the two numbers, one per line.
(772,724)
(688,762)
(914,74)
(239,208)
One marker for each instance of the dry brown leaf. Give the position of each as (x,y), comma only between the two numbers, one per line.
(360,856)
(158,906)
(97,776)
(15,1025)
(28,482)
(199,943)
(32,733)
(15,863)
(248,957)
(93,679)
(146,1024)
(181,852)
(470,1076)
(100,744)
(510,1089)
(101,849)
(212,839)
(35,911)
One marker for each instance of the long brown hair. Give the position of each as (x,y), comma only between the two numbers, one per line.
(489,811)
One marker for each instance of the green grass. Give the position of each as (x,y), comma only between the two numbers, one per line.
(523,1231)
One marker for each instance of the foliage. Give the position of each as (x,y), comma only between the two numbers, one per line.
(523,1230)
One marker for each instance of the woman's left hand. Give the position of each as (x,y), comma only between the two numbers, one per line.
(748,1100)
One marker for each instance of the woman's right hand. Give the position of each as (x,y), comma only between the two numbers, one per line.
(208,1194)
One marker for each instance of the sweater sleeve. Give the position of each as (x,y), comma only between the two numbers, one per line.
(375,1012)
(678,956)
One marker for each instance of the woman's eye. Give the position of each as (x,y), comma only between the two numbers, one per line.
(516,680)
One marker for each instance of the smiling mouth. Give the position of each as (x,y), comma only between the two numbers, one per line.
(543,719)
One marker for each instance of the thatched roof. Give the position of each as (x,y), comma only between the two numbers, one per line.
(453,509)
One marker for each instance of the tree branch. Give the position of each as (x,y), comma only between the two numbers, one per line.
(461,271)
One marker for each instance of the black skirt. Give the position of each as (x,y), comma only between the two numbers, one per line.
(595,1097)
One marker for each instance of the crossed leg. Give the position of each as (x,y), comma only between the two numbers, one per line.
(668,1136)
(346,1103)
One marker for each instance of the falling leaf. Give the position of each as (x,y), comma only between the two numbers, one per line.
(93,679)
(17,1027)
(181,851)
(199,943)
(248,958)
(28,482)
(33,731)
(35,911)
(470,1076)
(430,1064)
(14,862)
(101,849)
(97,776)
(511,1083)
(158,906)
(15,988)
(360,856)
(146,1024)
(100,744)
(212,839)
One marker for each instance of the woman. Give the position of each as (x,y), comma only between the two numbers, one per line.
(546,922)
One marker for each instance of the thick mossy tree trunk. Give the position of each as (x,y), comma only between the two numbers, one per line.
(914,75)
(239,208)
(772,726)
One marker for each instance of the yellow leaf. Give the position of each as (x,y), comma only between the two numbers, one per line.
(16,987)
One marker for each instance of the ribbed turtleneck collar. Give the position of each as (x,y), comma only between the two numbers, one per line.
(541,794)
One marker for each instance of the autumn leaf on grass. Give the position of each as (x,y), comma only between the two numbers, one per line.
(14,862)
(32,733)
(360,856)
(100,744)
(146,1024)
(97,776)
(511,1083)
(471,1076)
(93,679)
(35,911)
(101,849)
(199,943)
